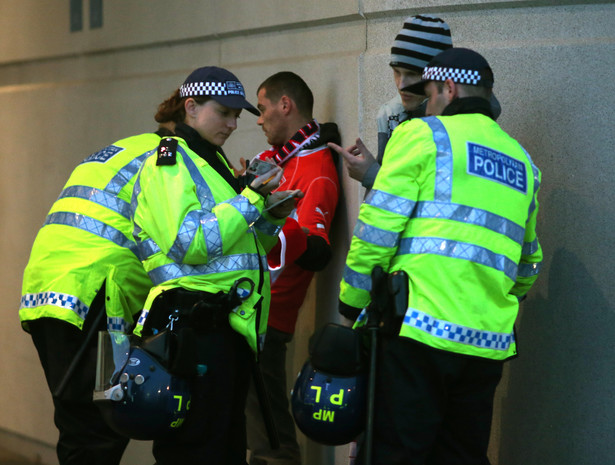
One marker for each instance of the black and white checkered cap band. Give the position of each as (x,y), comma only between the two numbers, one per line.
(192,89)
(461,76)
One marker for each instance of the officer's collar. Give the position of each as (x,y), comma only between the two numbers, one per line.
(194,139)
(468,105)
(208,152)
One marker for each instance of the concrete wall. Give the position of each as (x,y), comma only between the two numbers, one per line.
(65,94)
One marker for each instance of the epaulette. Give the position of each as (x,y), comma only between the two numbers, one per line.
(167,151)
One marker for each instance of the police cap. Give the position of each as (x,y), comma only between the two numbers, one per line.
(219,84)
(461,65)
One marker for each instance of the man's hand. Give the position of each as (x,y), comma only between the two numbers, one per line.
(356,157)
(239,171)
(280,204)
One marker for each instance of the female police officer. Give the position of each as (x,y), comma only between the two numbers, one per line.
(204,240)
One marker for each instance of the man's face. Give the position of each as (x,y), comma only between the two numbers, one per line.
(437,99)
(272,119)
(404,78)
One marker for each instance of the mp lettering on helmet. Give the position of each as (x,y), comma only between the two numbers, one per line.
(490,164)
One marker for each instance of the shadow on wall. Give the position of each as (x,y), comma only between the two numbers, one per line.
(327,292)
(560,405)
(328,280)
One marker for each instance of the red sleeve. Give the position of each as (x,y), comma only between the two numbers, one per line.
(317,208)
(291,244)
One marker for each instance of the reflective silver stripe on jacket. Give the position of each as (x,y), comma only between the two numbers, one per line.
(124,175)
(460,250)
(470,215)
(57,299)
(374,235)
(530,247)
(210,228)
(536,181)
(266,227)
(97,196)
(448,211)
(147,248)
(452,332)
(356,279)
(108,197)
(527,270)
(91,225)
(187,232)
(390,202)
(444,160)
(208,221)
(226,263)
(242,205)
(206,199)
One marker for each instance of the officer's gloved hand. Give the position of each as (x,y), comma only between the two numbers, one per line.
(267,182)
(352,313)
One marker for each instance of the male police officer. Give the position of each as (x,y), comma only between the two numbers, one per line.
(454,206)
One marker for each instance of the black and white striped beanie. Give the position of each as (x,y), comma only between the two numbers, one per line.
(422,38)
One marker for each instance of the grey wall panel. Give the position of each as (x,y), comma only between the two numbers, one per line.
(63,95)
(34,30)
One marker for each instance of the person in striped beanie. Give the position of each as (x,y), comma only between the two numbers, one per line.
(421,38)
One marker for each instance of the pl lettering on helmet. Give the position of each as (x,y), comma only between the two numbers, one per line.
(329,396)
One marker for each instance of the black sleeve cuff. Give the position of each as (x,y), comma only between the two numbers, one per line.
(352,313)
(316,256)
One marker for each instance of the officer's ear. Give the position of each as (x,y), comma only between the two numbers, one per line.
(450,90)
(191,107)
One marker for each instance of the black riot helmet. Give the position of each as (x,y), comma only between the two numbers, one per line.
(330,394)
(142,400)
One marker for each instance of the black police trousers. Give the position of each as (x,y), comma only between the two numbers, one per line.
(84,437)
(432,407)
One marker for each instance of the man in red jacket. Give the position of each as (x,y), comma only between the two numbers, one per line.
(299,147)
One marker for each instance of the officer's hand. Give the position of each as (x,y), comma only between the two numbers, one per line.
(280,204)
(357,158)
(267,182)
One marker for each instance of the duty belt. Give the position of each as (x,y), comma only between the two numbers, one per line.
(177,308)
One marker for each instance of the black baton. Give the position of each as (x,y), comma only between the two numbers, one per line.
(265,405)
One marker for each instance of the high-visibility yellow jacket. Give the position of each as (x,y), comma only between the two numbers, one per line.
(454,205)
(87,239)
(196,232)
